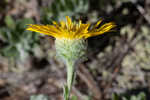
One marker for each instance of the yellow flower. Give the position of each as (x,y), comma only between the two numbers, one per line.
(70,43)
(71,30)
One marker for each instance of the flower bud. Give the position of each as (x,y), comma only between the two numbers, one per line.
(71,49)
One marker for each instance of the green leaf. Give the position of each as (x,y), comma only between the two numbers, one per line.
(142,96)
(133,98)
(74,98)
(54,8)
(115,96)
(4,33)
(39,97)
(22,23)
(124,98)
(10,22)
(18,42)
(9,51)
(69,5)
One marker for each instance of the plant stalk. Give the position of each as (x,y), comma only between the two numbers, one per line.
(70,78)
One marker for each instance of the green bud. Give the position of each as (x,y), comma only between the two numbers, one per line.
(71,49)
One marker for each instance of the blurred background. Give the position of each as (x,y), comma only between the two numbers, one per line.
(118,64)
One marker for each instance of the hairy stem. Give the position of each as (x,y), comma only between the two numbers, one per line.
(70,78)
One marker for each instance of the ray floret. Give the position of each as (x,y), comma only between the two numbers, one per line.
(72,30)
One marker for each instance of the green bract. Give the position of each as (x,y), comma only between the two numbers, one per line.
(71,50)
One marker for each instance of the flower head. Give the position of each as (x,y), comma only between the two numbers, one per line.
(71,37)
(71,30)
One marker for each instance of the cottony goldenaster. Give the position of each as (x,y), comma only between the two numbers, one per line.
(70,43)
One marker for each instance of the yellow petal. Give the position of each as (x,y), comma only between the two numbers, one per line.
(44,29)
(104,28)
(69,22)
(83,28)
(98,23)
(62,23)
(95,26)
(54,22)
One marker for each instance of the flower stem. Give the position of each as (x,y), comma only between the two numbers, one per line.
(70,78)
